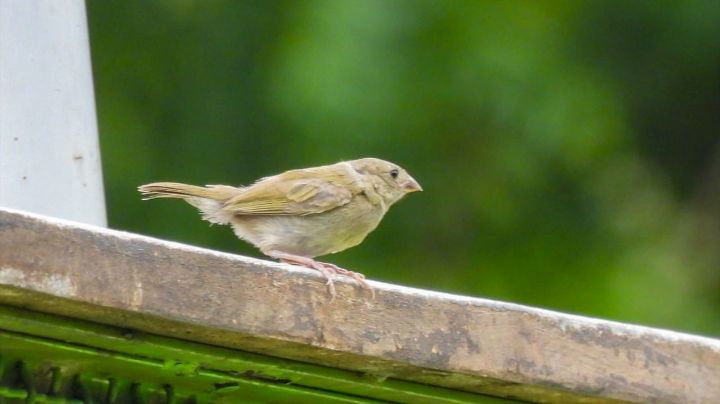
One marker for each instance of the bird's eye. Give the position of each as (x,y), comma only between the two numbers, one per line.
(394,173)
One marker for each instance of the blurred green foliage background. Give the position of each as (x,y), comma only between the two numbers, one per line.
(569,150)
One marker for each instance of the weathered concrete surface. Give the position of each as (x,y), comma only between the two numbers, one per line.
(464,343)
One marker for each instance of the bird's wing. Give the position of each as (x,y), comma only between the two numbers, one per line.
(297,192)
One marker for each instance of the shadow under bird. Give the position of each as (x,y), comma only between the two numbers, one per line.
(302,214)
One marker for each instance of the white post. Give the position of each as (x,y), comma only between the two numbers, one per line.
(49,153)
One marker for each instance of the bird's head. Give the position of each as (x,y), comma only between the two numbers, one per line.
(391,181)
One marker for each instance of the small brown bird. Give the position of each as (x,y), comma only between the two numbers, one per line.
(302,214)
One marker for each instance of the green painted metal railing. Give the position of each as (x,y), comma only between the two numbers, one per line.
(52,359)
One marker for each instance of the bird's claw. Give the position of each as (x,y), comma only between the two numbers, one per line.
(359,278)
(331,289)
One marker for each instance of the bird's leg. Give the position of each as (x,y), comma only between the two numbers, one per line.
(328,272)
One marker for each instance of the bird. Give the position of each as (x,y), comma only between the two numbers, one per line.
(302,214)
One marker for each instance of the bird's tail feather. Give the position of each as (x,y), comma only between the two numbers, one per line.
(178,190)
(209,200)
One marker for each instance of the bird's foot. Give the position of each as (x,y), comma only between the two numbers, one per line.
(328,270)
(359,278)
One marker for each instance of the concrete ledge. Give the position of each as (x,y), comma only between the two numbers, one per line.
(468,344)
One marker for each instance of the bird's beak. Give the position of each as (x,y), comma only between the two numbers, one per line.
(411,185)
